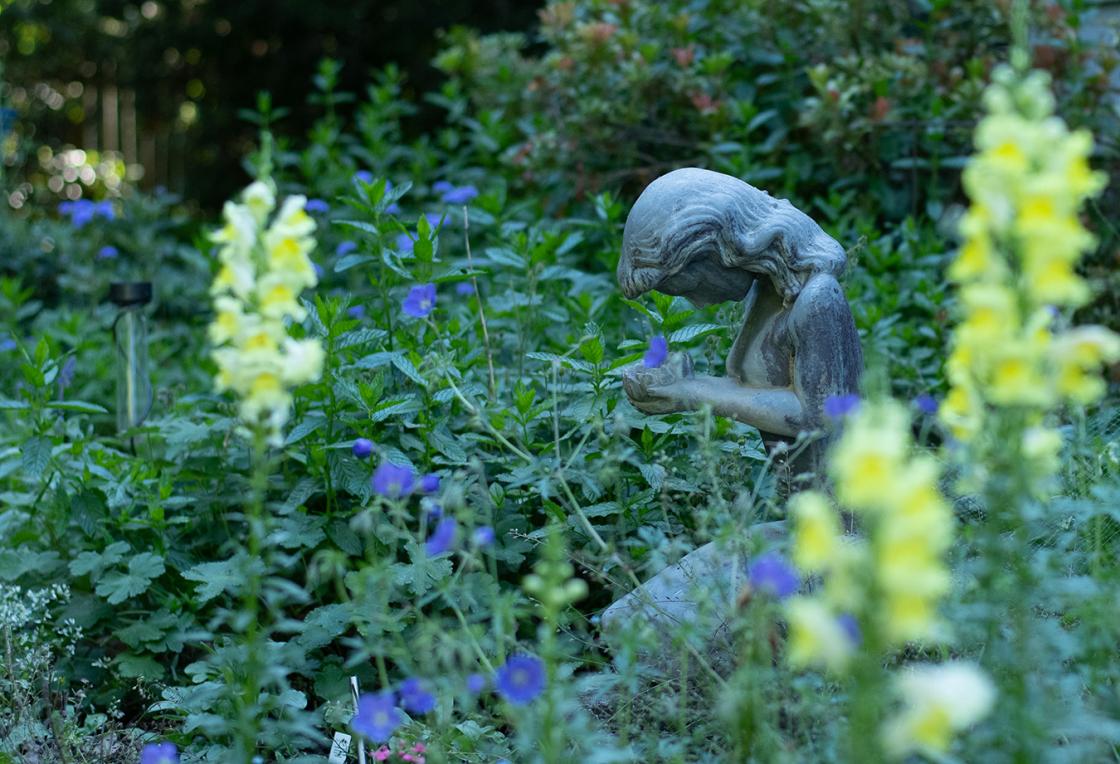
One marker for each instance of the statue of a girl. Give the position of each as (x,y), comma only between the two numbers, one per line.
(712,238)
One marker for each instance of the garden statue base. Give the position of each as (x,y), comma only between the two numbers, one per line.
(685,611)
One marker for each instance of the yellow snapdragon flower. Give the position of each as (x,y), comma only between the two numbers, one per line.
(257,289)
(816,635)
(867,458)
(937,701)
(817,531)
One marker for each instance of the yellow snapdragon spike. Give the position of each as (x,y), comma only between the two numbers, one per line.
(845,585)
(816,531)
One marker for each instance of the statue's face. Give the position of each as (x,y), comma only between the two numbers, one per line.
(706,281)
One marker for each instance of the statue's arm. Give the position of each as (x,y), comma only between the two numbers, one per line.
(776,410)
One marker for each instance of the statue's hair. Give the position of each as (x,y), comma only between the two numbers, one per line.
(748,228)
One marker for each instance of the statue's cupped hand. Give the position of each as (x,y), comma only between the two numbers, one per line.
(660,390)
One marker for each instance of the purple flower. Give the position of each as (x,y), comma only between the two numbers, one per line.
(345,248)
(108,252)
(429,483)
(363,447)
(442,537)
(771,573)
(460,195)
(464,288)
(442,186)
(414,698)
(159,753)
(520,680)
(476,683)
(434,219)
(377,716)
(318,270)
(365,176)
(483,536)
(392,481)
(316,205)
(393,209)
(420,301)
(405,242)
(8,344)
(850,626)
(435,512)
(657,353)
(66,374)
(836,406)
(926,404)
(356,311)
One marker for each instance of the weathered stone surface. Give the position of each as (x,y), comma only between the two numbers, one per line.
(693,599)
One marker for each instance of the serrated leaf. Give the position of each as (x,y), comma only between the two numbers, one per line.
(117,586)
(405,367)
(347,262)
(218,577)
(36,456)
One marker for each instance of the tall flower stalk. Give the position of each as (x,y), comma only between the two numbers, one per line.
(265,265)
(1016,361)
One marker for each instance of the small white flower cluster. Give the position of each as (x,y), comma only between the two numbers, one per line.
(264,269)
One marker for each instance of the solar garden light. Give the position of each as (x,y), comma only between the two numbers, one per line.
(130,333)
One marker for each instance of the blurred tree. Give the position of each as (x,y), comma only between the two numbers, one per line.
(77,70)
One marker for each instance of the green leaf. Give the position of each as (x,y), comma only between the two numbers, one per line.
(95,564)
(117,586)
(218,577)
(81,407)
(36,456)
(691,332)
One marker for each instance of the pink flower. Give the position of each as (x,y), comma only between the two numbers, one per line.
(382,754)
(419,748)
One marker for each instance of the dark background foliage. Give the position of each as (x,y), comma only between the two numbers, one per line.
(218,55)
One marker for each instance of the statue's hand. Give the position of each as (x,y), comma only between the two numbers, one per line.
(661,390)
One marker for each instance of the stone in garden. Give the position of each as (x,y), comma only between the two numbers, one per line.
(712,238)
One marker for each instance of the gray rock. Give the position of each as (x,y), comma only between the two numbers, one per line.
(691,603)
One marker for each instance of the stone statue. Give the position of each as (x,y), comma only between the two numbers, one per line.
(712,238)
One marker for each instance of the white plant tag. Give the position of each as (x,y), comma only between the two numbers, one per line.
(339,748)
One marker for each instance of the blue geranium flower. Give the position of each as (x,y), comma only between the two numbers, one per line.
(405,242)
(7,345)
(345,248)
(476,683)
(82,211)
(365,176)
(159,753)
(771,573)
(483,535)
(377,716)
(363,447)
(316,205)
(66,374)
(414,698)
(442,186)
(429,483)
(460,195)
(435,220)
(442,537)
(520,680)
(108,252)
(657,353)
(421,301)
(926,404)
(850,626)
(464,288)
(392,481)
(356,311)
(837,406)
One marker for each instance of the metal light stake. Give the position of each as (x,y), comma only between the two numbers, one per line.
(130,334)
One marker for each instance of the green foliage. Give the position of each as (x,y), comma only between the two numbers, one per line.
(222,596)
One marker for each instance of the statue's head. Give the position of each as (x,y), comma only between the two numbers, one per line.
(705,236)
